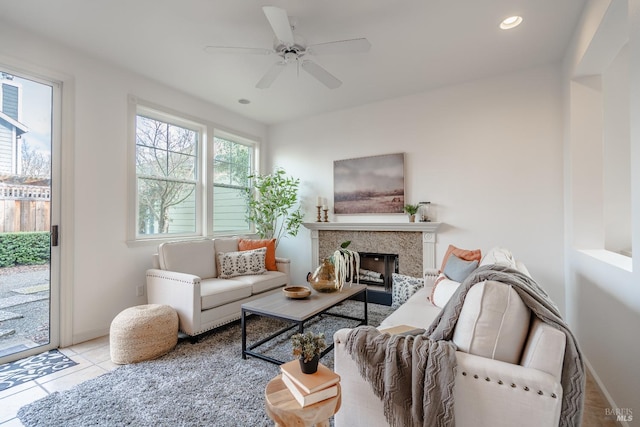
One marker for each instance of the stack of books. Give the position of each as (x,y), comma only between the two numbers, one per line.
(308,389)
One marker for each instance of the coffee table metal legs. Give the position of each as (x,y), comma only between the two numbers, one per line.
(300,324)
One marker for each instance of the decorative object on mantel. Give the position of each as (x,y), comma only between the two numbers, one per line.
(275,211)
(411,210)
(424,211)
(326,214)
(369,185)
(319,206)
(307,347)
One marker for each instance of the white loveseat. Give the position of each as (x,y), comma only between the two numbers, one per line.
(488,392)
(186,278)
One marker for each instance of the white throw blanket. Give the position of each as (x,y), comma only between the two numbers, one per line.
(418,372)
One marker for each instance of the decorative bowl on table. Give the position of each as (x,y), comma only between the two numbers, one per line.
(296,292)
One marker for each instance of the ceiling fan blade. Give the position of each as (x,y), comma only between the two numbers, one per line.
(280,23)
(322,75)
(271,75)
(341,46)
(232,49)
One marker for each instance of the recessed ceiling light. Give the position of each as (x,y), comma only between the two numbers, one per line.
(511,22)
(244,101)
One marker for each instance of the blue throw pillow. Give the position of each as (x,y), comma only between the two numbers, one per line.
(458,269)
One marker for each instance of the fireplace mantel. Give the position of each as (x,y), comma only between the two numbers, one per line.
(425,227)
(428,230)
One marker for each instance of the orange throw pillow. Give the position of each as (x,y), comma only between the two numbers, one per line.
(270,244)
(464,254)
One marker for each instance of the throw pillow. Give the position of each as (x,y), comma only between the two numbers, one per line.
(270,244)
(458,269)
(403,288)
(493,322)
(467,255)
(443,290)
(499,256)
(241,263)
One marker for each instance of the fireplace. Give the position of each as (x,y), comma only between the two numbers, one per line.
(376,271)
(414,244)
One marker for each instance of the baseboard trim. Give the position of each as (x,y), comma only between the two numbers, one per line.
(603,389)
(90,335)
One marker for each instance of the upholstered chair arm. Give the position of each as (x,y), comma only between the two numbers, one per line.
(430,276)
(179,290)
(283,265)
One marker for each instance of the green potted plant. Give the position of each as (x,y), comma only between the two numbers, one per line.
(307,347)
(272,205)
(411,210)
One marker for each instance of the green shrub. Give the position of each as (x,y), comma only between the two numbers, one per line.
(30,248)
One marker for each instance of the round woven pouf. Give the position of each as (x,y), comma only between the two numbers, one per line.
(143,332)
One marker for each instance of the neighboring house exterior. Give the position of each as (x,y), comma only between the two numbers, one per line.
(10,127)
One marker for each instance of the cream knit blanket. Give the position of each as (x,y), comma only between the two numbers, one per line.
(418,372)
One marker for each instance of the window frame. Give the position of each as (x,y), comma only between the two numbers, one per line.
(204,174)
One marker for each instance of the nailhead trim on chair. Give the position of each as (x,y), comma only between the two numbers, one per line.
(513,385)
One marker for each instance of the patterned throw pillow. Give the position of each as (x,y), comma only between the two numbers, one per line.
(403,288)
(241,263)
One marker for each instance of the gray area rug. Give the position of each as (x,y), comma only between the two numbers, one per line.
(207,383)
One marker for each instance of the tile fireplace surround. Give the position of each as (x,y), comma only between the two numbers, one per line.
(414,242)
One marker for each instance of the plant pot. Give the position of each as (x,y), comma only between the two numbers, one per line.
(310,367)
(412,218)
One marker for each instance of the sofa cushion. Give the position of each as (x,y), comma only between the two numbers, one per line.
(191,257)
(467,255)
(493,323)
(264,282)
(442,290)
(232,264)
(217,292)
(458,269)
(270,244)
(499,256)
(415,312)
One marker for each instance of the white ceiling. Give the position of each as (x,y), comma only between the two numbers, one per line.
(417,45)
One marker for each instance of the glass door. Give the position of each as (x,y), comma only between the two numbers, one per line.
(28,289)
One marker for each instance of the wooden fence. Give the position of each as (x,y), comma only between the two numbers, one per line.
(24,208)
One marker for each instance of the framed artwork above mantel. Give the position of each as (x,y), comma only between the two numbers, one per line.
(369,185)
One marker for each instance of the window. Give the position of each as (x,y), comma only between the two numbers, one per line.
(232,165)
(188,182)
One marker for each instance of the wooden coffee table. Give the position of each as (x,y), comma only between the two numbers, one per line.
(297,311)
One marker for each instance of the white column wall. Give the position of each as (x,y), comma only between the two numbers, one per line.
(603,300)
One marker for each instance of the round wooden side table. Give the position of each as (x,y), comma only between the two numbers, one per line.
(285,410)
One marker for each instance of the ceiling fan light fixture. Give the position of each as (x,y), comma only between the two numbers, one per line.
(511,22)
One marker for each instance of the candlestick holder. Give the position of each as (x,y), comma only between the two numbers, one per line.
(326,215)
(319,208)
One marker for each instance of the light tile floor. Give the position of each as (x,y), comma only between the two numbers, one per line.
(93,360)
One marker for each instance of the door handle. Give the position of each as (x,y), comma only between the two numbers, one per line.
(54,235)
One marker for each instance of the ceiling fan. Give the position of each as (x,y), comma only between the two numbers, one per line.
(291,48)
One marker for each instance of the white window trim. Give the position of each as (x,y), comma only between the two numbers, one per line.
(207,130)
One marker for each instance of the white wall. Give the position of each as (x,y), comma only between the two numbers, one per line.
(603,300)
(488,154)
(103,272)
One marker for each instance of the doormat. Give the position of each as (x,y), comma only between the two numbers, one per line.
(30,368)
